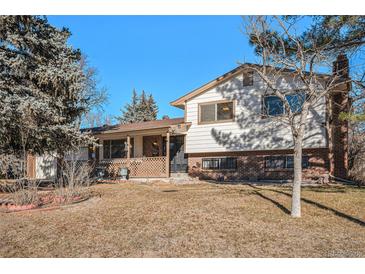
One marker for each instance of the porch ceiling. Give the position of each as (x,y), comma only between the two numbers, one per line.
(144,132)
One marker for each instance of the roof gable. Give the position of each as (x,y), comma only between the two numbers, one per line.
(225,77)
(180,102)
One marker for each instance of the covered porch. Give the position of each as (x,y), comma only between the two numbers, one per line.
(152,149)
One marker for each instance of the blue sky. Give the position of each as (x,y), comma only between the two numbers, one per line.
(167,56)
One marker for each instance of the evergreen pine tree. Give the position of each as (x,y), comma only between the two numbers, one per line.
(143,113)
(42,87)
(130,112)
(152,108)
(141,109)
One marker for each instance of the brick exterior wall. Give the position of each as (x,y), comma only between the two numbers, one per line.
(338,128)
(251,165)
(339,138)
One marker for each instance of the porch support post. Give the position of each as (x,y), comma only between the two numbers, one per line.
(168,154)
(128,150)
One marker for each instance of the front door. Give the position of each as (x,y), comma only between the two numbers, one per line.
(178,159)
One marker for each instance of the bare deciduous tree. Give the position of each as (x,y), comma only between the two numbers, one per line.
(96,119)
(75,178)
(282,51)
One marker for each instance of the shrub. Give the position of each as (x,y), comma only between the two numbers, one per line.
(25,192)
(74,182)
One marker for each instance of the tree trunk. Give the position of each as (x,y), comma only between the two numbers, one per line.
(298,148)
(329,136)
(25,160)
(295,207)
(60,168)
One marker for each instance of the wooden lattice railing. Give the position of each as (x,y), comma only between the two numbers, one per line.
(138,167)
(113,166)
(148,167)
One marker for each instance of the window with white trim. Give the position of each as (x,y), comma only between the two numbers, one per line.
(274,106)
(216,112)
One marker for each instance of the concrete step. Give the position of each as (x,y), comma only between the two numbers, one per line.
(180,175)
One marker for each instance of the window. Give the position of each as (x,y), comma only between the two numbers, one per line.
(152,146)
(248,78)
(219,163)
(284,162)
(275,162)
(155,148)
(116,148)
(216,112)
(225,111)
(131,143)
(273,106)
(106,149)
(296,101)
(207,113)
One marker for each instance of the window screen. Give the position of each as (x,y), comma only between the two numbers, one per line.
(106,149)
(117,149)
(275,107)
(207,113)
(219,163)
(225,111)
(284,162)
(296,101)
(275,162)
(216,112)
(114,149)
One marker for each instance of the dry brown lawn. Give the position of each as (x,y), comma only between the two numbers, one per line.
(198,220)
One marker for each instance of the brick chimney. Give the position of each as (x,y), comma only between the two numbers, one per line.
(338,129)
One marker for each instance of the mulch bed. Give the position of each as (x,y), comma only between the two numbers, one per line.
(46,203)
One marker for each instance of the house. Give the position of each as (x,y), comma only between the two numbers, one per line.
(142,147)
(224,135)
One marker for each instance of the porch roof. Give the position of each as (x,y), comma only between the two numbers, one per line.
(123,128)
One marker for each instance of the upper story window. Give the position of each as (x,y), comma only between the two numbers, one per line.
(296,101)
(247,78)
(274,106)
(216,112)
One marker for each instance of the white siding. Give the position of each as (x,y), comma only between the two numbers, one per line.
(249,131)
(81,155)
(46,167)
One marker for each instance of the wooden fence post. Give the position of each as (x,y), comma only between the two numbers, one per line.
(168,154)
(128,151)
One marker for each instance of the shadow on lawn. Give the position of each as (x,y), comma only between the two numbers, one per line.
(321,206)
(280,206)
